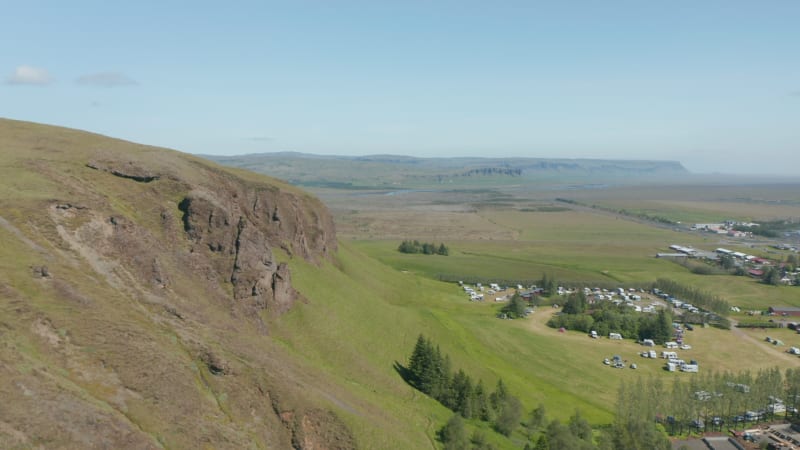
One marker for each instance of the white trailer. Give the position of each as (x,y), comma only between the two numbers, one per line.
(693,368)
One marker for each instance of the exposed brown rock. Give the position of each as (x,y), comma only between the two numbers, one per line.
(129,170)
(41,271)
(244,226)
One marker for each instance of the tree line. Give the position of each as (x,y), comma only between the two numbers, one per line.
(430,372)
(710,401)
(425,248)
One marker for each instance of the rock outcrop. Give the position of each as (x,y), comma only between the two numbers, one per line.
(238,227)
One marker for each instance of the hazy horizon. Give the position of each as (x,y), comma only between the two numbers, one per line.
(714,86)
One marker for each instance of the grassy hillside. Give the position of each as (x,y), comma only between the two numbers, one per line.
(122,326)
(107,313)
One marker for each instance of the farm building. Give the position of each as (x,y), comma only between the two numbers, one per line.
(784,310)
(755,273)
(681,249)
(529,294)
(671,255)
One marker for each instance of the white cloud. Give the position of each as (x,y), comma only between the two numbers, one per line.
(29,75)
(106,79)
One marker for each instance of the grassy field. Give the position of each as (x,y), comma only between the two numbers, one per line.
(509,234)
(380,311)
(499,230)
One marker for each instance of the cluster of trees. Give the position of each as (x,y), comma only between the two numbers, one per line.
(486,171)
(606,317)
(703,267)
(728,264)
(791,261)
(710,400)
(576,434)
(772,229)
(695,296)
(623,212)
(548,285)
(515,308)
(431,373)
(425,248)
(644,216)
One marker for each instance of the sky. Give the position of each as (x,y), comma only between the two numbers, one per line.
(712,84)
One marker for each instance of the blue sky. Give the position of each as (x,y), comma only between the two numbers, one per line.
(713,84)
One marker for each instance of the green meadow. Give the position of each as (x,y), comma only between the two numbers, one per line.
(380,309)
(377,300)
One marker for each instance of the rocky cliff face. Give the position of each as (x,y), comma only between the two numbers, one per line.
(232,227)
(236,229)
(138,285)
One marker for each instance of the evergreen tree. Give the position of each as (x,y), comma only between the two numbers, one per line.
(508,417)
(537,419)
(420,359)
(542,443)
(727,262)
(576,303)
(559,436)
(548,285)
(499,396)
(515,308)
(481,403)
(579,427)
(463,396)
(443,250)
(453,435)
(772,276)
